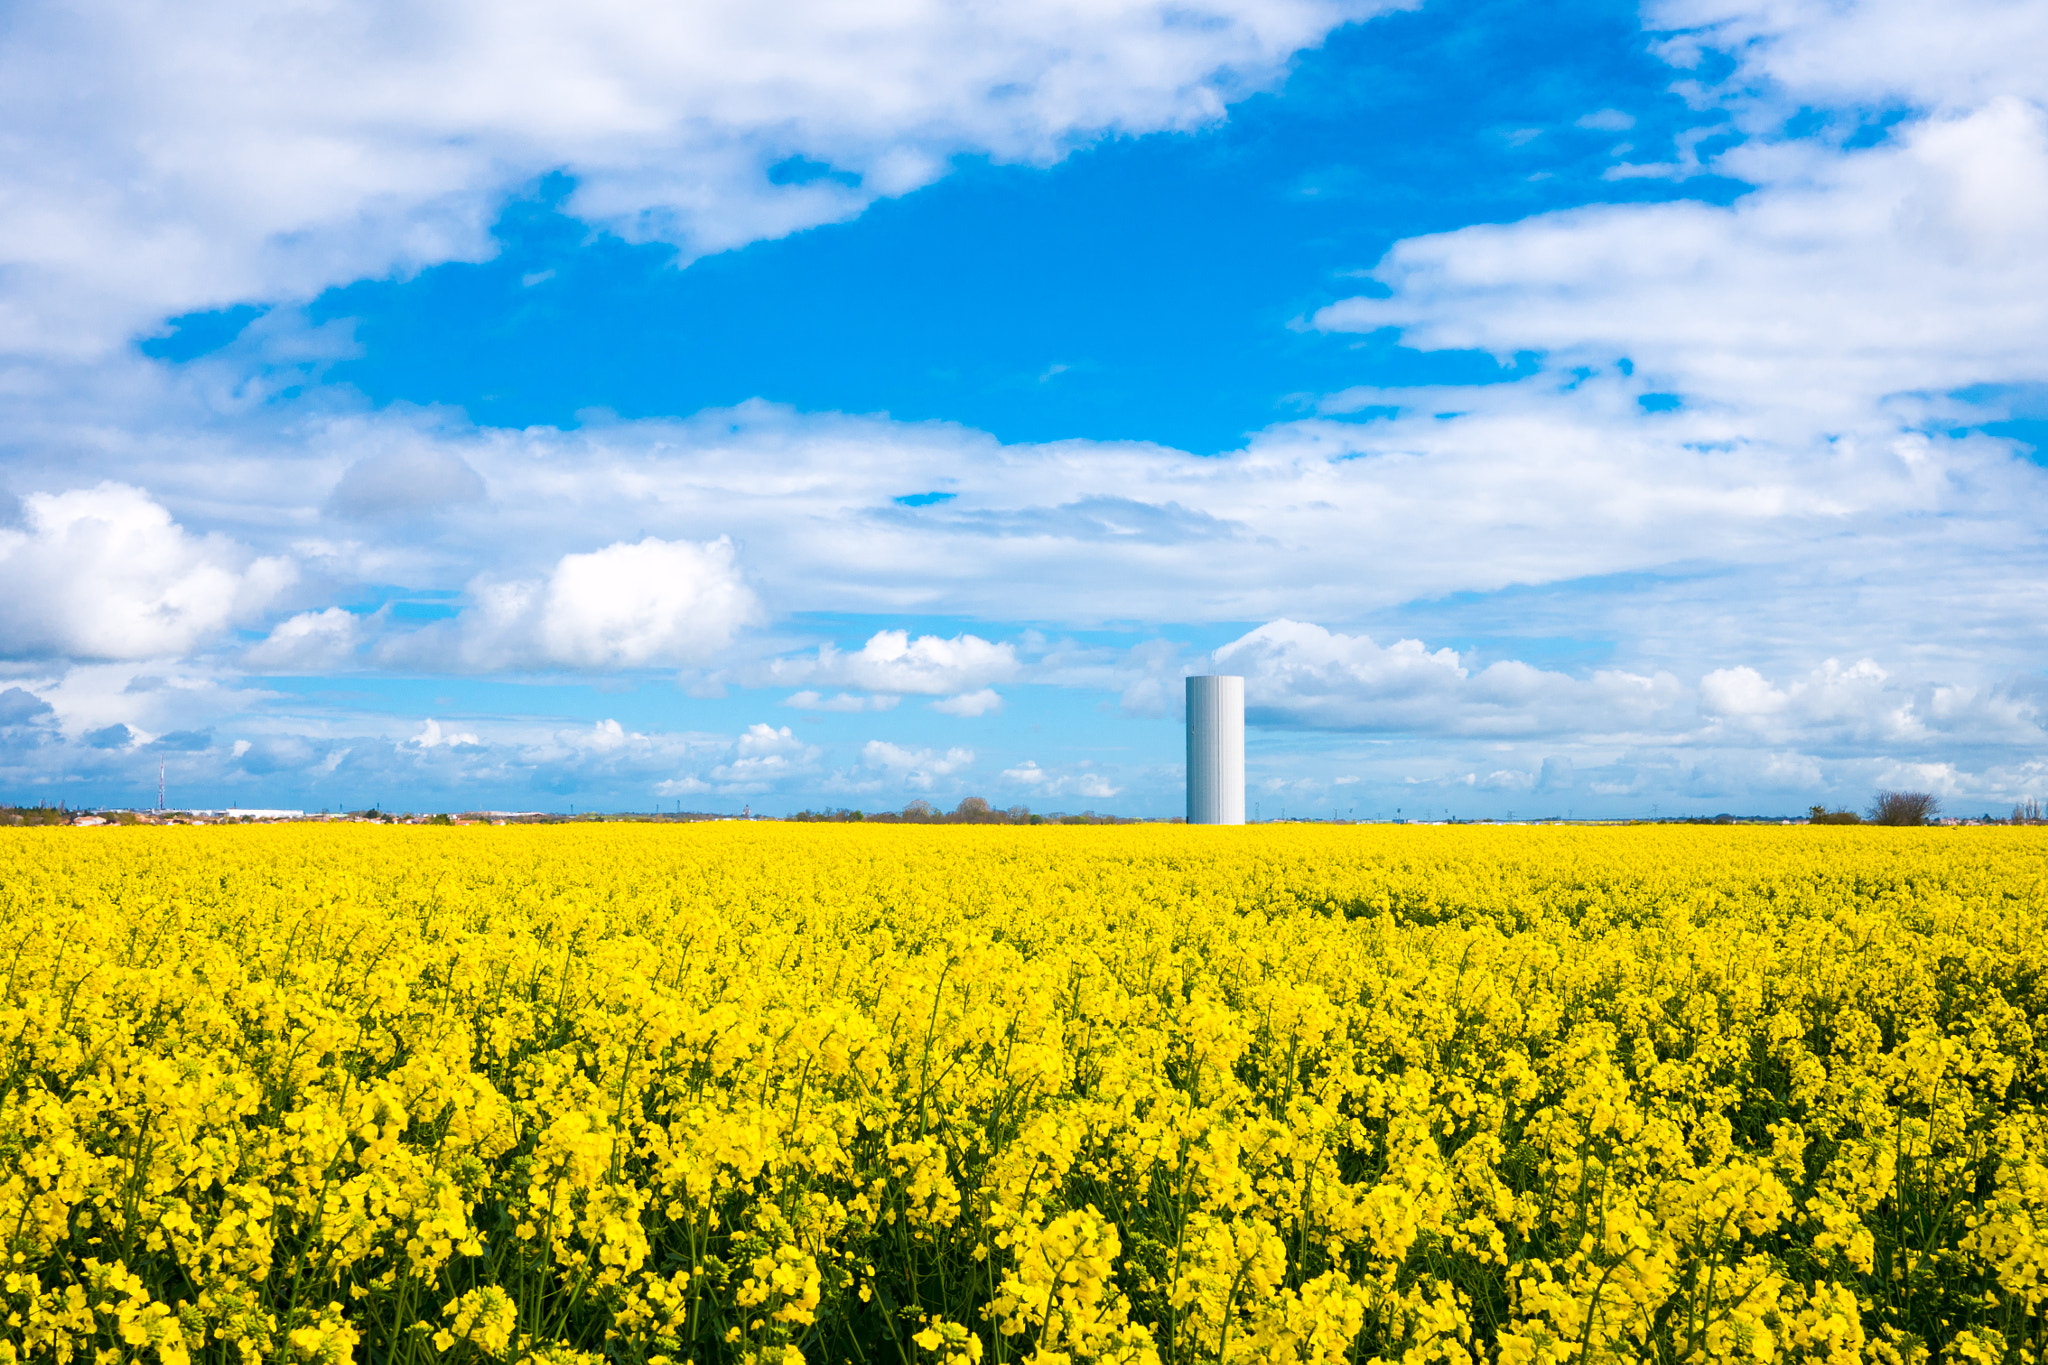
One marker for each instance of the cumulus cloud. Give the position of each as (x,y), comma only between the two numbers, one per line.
(310,642)
(406,481)
(969,704)
(1039,782)
(918,768)
(629,605)
(1298,673)
(218,156)
(105,573)
(432,736)
(1027,774)
(763,756)
(1743,692)
(1863,705)
(893,662)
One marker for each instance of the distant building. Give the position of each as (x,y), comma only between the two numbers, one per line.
(250,813)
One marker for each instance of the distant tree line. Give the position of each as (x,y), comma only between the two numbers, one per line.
(35,815)
(971,811)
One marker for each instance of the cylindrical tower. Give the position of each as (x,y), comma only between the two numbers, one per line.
(1216,751)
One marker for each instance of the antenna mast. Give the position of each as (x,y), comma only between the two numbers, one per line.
(160,784)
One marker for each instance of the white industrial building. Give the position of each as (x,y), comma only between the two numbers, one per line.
(1216,750)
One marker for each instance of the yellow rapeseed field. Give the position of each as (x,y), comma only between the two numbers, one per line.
(1133,1095)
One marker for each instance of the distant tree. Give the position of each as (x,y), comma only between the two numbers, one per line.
(1903,808)
(973,810)
(920,810)
(1821,815)
(35,815)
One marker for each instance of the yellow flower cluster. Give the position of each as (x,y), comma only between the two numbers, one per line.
(1136,1096)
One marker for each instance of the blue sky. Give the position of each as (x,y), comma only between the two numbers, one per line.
(1583,409)
(1141,289)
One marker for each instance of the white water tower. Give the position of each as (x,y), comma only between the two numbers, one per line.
(1216,750)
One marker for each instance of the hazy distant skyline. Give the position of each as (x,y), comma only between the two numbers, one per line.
(1582,408)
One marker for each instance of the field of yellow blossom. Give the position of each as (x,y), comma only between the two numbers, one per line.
(760,1093)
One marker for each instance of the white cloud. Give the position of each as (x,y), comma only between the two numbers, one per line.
(763,740)
(1042,783)
(398,482)
(1350,515)
(1866,52)
(634,764)
(970,704)
(109,725)
(1863,705)
(761,759)
(1027,774)
(1356,517)
(681,786)
(1907,267)
(636,604)
(763,756)
(628,605)
(1740,692)
(105,573)
(432,736)
(1738,737)
(1747,737)
(843,702)
(219,155)
(603,736)
(177,705)
(1941,779)
(310,642)
(893,662)
(918,768)
(1298,673)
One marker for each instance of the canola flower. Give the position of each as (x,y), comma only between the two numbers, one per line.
(963,1095)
